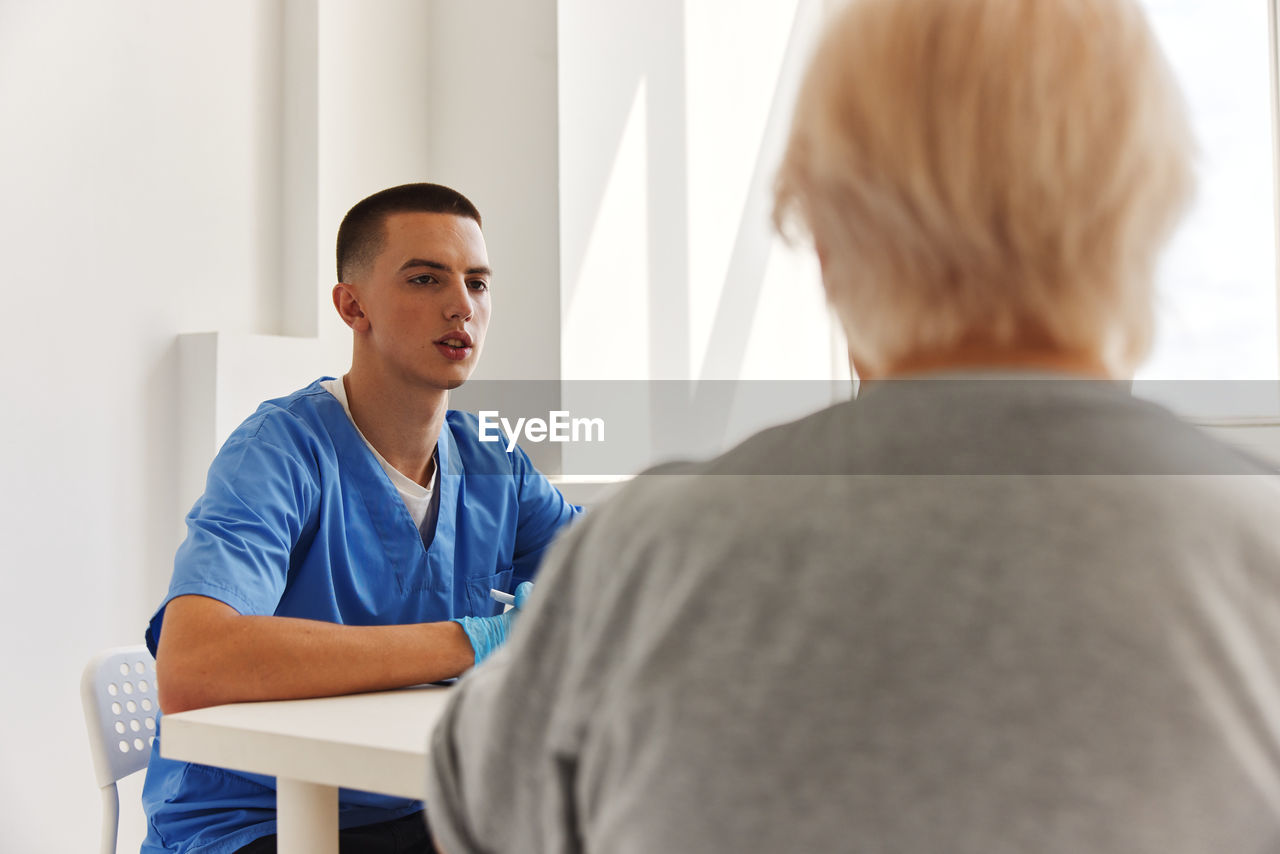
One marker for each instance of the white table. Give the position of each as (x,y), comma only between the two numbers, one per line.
(373,742)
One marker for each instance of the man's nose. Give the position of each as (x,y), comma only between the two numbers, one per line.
(459,305)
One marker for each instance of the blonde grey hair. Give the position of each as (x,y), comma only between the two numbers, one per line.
(991,172)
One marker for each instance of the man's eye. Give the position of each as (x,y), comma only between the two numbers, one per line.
(424,279)
(478,285)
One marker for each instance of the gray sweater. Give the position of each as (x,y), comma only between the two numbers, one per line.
(978,616)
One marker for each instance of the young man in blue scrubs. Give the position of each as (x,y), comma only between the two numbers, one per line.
(350,533)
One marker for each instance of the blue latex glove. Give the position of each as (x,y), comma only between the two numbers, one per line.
(488,633)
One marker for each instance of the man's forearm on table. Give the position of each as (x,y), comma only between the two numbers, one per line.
(235,658)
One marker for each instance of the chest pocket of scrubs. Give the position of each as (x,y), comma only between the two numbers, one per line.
(478,598)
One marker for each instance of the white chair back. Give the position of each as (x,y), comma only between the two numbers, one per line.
(118,689)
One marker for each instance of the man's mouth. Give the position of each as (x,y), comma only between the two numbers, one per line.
(455,338)
(454,346)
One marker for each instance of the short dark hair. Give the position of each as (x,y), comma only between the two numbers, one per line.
(362,234)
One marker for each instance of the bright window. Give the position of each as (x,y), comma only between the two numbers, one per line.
(1216,285)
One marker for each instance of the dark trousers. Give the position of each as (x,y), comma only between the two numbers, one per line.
(406,835)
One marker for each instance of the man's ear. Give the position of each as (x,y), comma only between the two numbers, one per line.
(348,306)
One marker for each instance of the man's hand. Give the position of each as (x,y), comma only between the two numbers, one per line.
(488,633)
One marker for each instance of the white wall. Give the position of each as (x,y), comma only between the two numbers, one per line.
(137,151)
(673,117)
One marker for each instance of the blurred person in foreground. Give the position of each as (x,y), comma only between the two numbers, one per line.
(995,604)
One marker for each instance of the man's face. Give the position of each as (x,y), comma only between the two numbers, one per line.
(426,300)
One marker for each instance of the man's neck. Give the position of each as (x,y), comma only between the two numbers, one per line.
(978,358)
(404,425)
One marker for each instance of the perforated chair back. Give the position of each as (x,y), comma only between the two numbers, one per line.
(118,689)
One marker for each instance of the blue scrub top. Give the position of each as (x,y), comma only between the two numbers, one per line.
(298,519)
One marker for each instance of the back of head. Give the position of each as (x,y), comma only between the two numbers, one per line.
(993,172)
(361,235)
